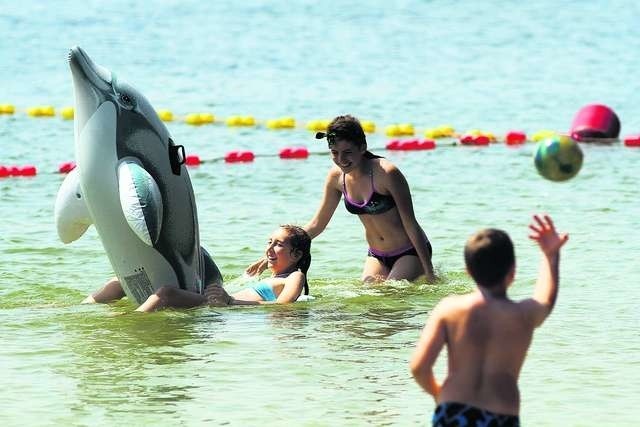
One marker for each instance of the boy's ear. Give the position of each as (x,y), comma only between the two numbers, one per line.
(512,274)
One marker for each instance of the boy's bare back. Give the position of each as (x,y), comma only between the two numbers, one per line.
(487,335)
(487,339)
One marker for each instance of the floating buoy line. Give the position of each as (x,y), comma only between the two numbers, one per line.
(402,134)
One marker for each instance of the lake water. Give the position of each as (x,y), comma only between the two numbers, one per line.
(341,359)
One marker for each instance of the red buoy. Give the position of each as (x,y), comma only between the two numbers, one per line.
(481,140)
(394,144)
(411,145)
(66,167)
(427,144)
(515,137)
(595,121)
(632,141)
(247,156)
(239,156)
(28,170)
(294,153)
(467,139)
(192,160)
(231,157)
(4,172)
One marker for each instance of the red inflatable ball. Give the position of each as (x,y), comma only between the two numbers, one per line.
(515,137)
(593,122)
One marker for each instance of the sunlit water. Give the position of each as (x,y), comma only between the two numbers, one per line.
(342,358)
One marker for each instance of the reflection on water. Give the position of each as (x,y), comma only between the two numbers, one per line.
(124,362)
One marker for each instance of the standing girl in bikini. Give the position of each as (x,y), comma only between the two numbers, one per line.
(376,191)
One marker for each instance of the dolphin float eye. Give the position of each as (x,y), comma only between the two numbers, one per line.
(126,101)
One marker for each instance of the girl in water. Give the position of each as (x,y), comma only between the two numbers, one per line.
(375,190)
(288,255)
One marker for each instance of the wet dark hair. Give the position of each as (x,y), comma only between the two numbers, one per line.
(346,128)
(489,256)
(301,241)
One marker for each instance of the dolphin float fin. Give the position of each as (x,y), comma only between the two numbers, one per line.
(212,273)
(141,200)
(71,213)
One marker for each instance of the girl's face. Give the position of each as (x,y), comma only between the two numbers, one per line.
(281,256)
(346,155)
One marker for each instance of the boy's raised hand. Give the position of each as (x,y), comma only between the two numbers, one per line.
(544,232)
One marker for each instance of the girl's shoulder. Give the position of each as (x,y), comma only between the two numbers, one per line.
(334,177)
(384,165)
(385,170)
(296,276)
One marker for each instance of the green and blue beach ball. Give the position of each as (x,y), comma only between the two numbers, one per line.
(558,158)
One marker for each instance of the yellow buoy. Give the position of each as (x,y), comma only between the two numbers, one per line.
(48,111)
(432,133)
(442,131)
(406,129)
(67,113)
(318,125)
(7,109)
(233,121)
(240,121)
(248,121)
(207,118)
(165,115)
(281,123)
(193,119)
(392,130)
(543,134)
(41,111)
(288,122)
(368,126)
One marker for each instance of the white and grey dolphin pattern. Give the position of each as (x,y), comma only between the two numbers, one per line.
(134,185)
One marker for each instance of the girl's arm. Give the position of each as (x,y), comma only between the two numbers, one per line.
(328,204)
(293,286)
(399,189)
(219,297)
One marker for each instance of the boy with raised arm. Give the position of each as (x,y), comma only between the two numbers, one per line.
(487,334)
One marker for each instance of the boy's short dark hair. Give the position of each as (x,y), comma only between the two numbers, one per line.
(489,257)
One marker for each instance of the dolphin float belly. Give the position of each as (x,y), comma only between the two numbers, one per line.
(135,187)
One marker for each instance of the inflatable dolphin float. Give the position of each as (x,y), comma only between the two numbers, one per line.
(131,183)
